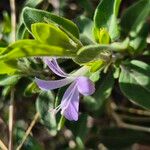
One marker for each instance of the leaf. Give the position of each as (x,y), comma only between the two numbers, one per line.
(134,17)
(9,80)
(138,43)
(85,27)
(31,89)
(134,82)
(106,17)
(6,69)
(80,128)
(44,103)
(28,48)
(103,90)
(51,35)
(21,30)
(87,5)
(93,53)
(33,3)
(31,16)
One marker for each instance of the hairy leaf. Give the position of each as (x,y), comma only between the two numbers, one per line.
(51,35)
(31,15)
(134,17)
(135,82)
(43,105)
(106,17)
(28,48)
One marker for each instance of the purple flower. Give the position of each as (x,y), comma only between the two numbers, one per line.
(79,85)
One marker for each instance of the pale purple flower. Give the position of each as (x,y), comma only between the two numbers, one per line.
(79,85)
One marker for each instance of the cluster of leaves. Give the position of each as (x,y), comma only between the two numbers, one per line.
(113,48)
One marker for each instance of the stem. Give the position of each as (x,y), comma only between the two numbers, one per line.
(36,117)
(11,107)
(10,126)
(120,123)
(2,146)
(134,111)
(61,123)
(13,19)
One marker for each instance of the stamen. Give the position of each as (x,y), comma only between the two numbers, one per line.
(54,111)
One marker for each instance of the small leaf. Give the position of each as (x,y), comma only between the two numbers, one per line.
(104,36)
(31,16)
(85,27)
(135,82)
(138,42)
(51,35)
(106,17)
(8,80)
(29,48)
(93,53)
(44,103)
(31,89)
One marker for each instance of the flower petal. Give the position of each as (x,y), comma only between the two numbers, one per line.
(85,86)
(53,65)
(70,103)
(50,85)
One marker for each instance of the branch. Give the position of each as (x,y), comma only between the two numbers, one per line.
(2,146)
(11,107)
(11,114)
(134,111)
(36,117)
(13,19)
(122,124)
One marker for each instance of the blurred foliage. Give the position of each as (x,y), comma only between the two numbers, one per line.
(122,83)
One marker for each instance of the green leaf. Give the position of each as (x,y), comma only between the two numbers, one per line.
(6,69)
(85,27)
(9,80)
(31,15)
(134,17)
(31,89)
(33,3)
(93,53)
(106,17)
(44,103)
(50,34)
(103,90)
(6,91)
(79,128)
(21,30)
(28,48)
(87,5)
(135,82)
(138,42)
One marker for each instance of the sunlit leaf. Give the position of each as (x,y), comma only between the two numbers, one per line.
(29,48)
(31,15)
(51,35)
(106,17)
